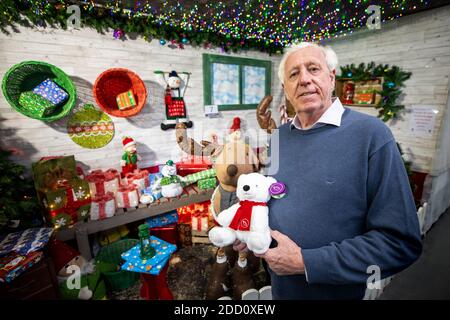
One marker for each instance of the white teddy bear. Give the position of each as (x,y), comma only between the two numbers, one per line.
(247,220)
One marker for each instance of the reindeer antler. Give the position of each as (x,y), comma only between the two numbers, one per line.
(190,146)
(264,116)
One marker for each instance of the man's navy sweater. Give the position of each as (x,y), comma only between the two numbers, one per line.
(348,206)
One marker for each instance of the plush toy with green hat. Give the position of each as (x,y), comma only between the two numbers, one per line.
(171,182)
(78,279)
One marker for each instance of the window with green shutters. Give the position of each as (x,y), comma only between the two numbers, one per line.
(234,83)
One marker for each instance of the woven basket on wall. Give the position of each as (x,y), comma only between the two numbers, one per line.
(115,81)
(25,76)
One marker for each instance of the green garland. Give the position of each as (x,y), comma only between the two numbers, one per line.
(43,14)
(394,79)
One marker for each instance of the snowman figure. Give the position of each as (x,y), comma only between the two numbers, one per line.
(170,183)
(173,98)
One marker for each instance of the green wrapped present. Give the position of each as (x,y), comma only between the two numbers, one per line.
(209,183)
(35,104)
(67,204)
(201,175)
(126,100)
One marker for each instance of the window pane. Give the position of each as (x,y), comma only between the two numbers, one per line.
(254,84)
(225,84)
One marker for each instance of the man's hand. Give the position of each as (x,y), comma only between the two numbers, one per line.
(286,258)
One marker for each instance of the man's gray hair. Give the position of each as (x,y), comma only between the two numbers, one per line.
(330,56)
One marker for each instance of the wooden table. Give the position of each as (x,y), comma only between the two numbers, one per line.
(81,230)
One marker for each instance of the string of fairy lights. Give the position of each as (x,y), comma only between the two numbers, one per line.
(274,23)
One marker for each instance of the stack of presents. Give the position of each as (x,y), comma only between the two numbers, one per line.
(44,99)
(68,196)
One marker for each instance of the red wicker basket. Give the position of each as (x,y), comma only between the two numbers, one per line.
(114,81)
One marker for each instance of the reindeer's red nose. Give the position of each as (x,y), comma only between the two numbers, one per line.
(232,170)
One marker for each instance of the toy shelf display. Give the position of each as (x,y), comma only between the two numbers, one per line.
(81,231)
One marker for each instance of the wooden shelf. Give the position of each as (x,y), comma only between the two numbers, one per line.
(82,230)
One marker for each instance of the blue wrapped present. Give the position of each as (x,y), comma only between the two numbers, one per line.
(163,219)
(133,261)
(25,242)
(51,91)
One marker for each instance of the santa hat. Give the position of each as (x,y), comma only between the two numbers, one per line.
(173,73)
(61,254)
(236,125)
(127,141)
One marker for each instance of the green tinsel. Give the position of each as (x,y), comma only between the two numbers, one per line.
(43,14)
(394,79)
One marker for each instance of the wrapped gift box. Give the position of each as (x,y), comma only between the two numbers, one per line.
(200,222)
(133,261)
(36,104)
(167,233)
(51,91)
(198,176)
(138,177)
(65,197)
(209,183)
(101,182)
(103,207)
(14,264)
(193,164)
(126,100)
(185,213)
(25,242)
(69,203)
(127,196)
(163,219)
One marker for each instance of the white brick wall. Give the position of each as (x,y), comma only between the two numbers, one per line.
(84,54)
(418,43)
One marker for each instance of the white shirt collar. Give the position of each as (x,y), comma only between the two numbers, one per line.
(333,115)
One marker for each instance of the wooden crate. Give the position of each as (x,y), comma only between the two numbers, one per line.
(200,237)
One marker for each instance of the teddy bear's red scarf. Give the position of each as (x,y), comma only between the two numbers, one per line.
(243,216)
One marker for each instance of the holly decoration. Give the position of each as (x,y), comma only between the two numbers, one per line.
(394,79)
(18,200)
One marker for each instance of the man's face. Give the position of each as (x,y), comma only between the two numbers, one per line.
(308,83)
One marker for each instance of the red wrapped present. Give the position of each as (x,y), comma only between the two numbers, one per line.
(127,196)
(192,164)
(101,182)
(167,233)
(139,178)
(103,206)
(185,213)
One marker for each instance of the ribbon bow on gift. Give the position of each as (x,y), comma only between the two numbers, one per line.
(124,191)
(102,200)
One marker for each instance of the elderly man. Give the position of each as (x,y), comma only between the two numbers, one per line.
(349,209)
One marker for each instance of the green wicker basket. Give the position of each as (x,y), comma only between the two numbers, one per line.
(118,280)
(26,75)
